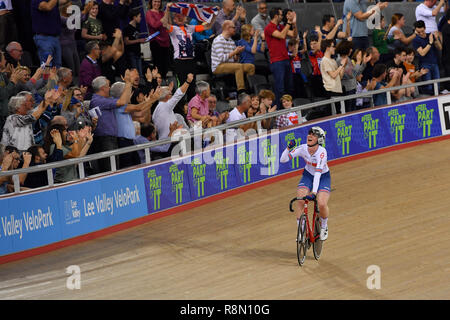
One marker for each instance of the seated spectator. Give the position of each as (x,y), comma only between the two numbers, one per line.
(28,83)
(70,143)
(90,68)
(330,28)
(92,29)
(375,57)
(65,78)
(14,53)
(262,19)
(105,134)
(315,55)
(398,60)
(250,41)
(361,102)
(38,157)
(255,101)
(238,113)
(11,161)
(46,24)
(228,13)
(410,66)
(379,82)
(331,72)
(395,33)
(266,98)
(125,127)
(427,46)
(225,54)
(289,119)
(344,50)
(214,114)
(164,116)
(198,107)
(18,129)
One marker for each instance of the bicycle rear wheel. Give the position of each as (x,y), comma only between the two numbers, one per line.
(317,245)
(302,234)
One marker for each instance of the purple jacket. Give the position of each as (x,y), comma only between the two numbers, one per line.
(88,72)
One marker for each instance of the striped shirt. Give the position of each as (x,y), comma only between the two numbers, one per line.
(220,51)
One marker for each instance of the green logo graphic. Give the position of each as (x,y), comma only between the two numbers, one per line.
(298,141)
(270,155)
(177,182)
(221,169)
(344,135)
(397,124)
(370,130)
(199,171)
(154,183)
(425,119)
(244,161)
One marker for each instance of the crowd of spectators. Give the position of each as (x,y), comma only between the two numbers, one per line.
(69,91)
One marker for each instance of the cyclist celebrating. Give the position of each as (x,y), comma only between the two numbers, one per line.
(316,175)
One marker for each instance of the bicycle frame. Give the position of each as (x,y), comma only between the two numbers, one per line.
(312,239)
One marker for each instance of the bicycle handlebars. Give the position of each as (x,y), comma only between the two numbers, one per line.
(296,199)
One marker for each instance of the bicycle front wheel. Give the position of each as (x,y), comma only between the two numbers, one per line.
(317,245)
(302,234)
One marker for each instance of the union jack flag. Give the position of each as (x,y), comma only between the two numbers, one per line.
(196,11)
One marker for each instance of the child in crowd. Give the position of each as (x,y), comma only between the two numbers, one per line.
(289,119)
(295,56)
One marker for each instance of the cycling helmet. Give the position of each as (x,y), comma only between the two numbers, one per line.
(319,133)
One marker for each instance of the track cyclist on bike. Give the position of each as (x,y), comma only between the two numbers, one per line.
(316,179)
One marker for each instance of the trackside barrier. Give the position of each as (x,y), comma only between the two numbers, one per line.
(49,216)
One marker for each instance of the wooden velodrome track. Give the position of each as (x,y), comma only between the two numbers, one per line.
(389,210)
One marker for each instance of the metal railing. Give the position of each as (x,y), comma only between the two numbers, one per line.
(195,133)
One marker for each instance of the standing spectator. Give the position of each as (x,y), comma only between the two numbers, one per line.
(133,42)
(226,13)
(358,22)
(280,66)
(46,23)
(69,49)
(331,72)
(181,38)
(163,116)
(126,131)
(89,68)
(351,72)
(395,33)
(11,161)
(36,179)
(262,19)
(315,55)
(427,46)
(381,42)
(250,41)
(427,12)
(92,28)
(296,57)
(446,47)
(8,29)
(330,29)
(225,54)
(105,134)
(7,87)
(159,45)
(110,15)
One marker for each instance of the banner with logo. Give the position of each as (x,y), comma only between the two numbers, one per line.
(444,113)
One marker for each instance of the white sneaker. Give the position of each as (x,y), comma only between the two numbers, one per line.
(324,234)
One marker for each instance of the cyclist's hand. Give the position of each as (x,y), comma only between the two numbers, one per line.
(311,197)
(291,145)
